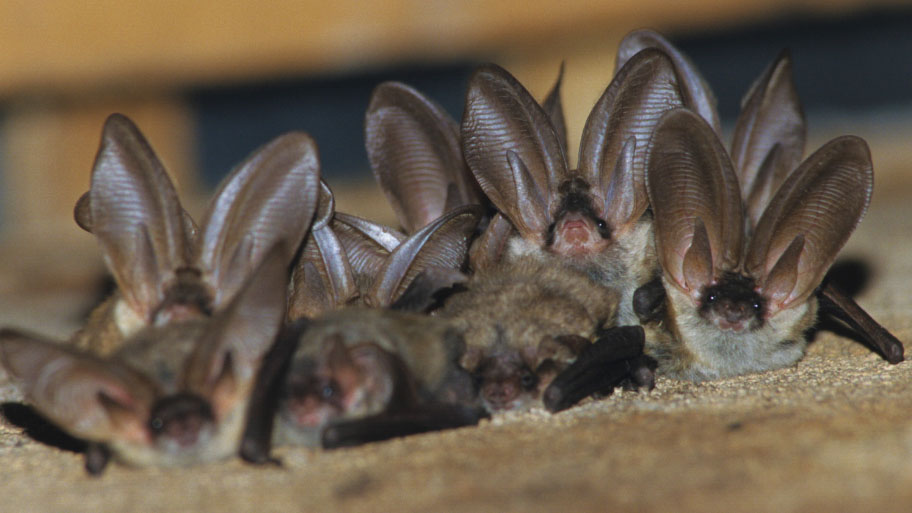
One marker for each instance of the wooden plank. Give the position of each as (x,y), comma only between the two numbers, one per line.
(60,45)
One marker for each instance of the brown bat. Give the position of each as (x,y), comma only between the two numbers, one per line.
(416,157)
(161,374)
(593,218)
(173,394)
(767,145)
(524,322)
(166,268)
(735,307)
(356,369)
(362,369)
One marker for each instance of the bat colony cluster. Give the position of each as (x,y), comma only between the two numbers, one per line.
(516,282)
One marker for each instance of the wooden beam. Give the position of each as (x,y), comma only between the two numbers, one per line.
(60,45)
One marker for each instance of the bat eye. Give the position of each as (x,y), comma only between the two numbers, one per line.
(156,424)
(711,298)
(756,306)
(603,228)
(528,380)
(328,391)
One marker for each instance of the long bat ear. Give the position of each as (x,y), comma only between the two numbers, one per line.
(322,279)
(697,204)
(414,151)
(769,136)
(88,397)
(224,361)
(512,149)
(443,245)
(269,198)
(809,220)
(133,211)
(555,110)
(616,135)
(489,248)
(699,96)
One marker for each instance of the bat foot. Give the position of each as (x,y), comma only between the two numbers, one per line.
(97,457)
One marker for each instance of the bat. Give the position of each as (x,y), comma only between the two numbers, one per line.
(161,373)
(740,303)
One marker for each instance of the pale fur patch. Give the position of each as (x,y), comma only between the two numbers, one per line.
(127,320)
(715,353)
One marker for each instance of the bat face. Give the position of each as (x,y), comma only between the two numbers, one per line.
(359,363)
(733,304)
(577,231)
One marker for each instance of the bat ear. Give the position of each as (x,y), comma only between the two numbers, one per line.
(616,135)
(769,136)
(322,279)
(270,198)
(512,149)
(555,110)
(809,220)
(133,211)
(488,249)
(377,369)
(443,244)
(696,201)
(413,147)
(226,358)
(84,395)
(471,358)
(698,95)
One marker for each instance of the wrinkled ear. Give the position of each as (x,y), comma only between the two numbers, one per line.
(419,296)
(471,358)
(563,349)
(227,356)
(640,93)
(82,214)
(699,96)
(86,396)
(378,371)
(322,279)
(488,249)
(555,110)
(133,211)
(443,244)
(771,117)
(696,201)
(502,119)
(269,198)
(414,151)
(809,220)
(367,244)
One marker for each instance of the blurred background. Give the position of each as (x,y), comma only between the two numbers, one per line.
(208,82)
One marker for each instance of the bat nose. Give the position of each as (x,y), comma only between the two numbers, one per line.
(500,394)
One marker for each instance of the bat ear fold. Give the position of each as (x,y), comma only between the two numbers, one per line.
(512,149)
(85,396)
(615,138)
(133,210)
(440,246)
(697,204)
(769,136)
(414,149)
(225,360)
(808,221)
(270,198)
(698,95)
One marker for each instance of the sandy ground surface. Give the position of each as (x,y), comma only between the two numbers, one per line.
(833,433)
